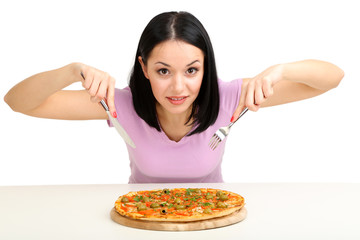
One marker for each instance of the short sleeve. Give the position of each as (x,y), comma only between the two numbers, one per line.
(123,105)
(230,95)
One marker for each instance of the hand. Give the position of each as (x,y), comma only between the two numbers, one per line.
(255,91)
(100,85)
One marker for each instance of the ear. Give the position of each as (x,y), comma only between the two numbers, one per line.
(143,66)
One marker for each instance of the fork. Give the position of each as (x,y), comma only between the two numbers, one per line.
(223,132)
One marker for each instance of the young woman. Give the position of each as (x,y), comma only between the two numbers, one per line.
(175,101)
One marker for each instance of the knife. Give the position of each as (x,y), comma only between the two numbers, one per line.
(116,123)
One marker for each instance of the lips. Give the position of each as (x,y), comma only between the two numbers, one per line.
(177,100)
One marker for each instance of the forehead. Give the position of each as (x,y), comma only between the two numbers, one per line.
(175,51)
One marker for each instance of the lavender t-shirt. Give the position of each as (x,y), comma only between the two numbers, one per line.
(157,159)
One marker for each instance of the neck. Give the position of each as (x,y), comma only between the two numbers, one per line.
(173,119)
(174,125)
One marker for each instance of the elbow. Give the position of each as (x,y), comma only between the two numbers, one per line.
(7,100)
(339,76)
(334,76)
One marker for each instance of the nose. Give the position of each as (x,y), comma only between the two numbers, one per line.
(178,83)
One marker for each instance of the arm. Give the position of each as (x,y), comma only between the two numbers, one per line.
(41,95)
(288,82)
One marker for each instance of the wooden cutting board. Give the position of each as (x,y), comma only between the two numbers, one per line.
(180,226)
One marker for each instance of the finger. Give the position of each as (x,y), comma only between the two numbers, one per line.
(237,112)
(267,88)
(111,97)
(94,87)
(101,92)
(85,83)
(259,95)
(244,88)
(250,97)
(83,78)
(87,79)
(82,75)
(241,104)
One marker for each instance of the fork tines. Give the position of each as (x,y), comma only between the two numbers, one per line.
(216,139)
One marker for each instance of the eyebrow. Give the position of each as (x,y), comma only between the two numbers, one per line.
(167,65)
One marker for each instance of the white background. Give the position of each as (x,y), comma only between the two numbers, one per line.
(315,140)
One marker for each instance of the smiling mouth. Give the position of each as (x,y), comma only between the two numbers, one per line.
(176,100)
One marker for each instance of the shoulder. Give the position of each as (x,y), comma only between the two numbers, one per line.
(124,92)
(227,88)
(231,85)
(230,92)
(123,96)
(123,99)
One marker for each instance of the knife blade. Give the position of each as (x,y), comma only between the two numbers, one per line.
(117,126)
(116,123)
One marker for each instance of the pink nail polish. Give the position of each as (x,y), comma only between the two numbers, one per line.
(232,119)
(114,115)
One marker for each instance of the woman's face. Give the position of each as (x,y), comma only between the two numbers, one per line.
(175,70)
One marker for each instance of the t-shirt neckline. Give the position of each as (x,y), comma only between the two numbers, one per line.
(167,140)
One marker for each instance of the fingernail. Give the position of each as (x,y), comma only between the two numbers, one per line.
(114,115)
(232,119)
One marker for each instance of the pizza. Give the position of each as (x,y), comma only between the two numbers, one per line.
(178,204)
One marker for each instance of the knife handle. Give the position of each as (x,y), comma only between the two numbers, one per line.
(105,106)
(102,102)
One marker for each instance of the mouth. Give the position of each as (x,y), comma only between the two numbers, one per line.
(176,100)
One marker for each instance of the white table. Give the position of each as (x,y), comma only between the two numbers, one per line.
(275,211)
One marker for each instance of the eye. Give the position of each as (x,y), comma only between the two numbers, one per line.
(192,71)
(163,71)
